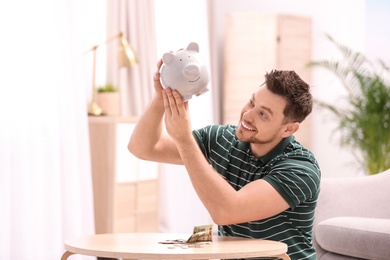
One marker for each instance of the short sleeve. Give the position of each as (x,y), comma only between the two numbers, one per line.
(214,139)
(202,137)
(296,181)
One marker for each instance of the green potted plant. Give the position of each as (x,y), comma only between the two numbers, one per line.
(364,121)
(108,99)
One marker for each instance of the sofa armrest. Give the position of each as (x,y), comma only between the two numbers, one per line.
(367,238)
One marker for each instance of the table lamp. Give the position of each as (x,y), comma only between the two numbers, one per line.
(126,58)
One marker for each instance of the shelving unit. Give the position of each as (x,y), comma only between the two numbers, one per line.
(125,188)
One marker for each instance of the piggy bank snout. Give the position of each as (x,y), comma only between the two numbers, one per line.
(192,70)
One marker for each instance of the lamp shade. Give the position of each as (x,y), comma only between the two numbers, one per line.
(126,55)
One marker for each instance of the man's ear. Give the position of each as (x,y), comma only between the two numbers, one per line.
(290,129)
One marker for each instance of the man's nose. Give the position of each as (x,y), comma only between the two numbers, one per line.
(248,115)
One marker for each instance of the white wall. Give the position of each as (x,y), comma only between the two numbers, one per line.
(377,36)
(94,22)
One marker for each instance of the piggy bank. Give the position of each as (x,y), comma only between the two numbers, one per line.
(185,71)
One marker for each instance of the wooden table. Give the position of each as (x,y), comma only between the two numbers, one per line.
(148,246)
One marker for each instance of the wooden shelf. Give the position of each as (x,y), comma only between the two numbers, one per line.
(125,188)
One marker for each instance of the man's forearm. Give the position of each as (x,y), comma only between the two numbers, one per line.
(214,192)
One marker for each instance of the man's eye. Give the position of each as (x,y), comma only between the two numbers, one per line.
(251,102)
(263,115)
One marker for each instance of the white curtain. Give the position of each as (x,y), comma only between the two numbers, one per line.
(216,60)
(135,18)
(45,180)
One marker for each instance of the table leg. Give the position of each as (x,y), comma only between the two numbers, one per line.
(66,255)
(284,257)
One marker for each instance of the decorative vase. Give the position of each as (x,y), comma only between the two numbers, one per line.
(109,102)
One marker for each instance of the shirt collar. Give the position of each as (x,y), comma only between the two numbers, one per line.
(277,150)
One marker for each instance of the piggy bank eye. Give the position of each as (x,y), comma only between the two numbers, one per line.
(180,59)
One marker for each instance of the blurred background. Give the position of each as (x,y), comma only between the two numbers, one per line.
(46,190)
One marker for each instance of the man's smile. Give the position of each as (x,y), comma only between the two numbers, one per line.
(247,127)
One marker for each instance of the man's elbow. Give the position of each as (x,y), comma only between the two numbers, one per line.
(220,218)
(134,150)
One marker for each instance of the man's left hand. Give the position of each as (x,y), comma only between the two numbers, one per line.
(177,118)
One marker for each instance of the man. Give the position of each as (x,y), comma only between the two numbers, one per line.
(254,179)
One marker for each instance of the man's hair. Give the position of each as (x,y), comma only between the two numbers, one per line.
(294,90)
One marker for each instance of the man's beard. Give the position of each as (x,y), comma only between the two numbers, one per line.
(256,140)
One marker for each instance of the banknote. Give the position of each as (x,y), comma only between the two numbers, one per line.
(201,234)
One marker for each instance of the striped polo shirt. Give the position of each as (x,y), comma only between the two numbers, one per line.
(290,168)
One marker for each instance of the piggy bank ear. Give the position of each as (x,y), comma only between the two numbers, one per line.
(168,57)
(193,46)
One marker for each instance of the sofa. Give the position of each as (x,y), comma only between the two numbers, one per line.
(352,219)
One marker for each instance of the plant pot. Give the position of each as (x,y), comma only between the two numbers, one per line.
(109,102)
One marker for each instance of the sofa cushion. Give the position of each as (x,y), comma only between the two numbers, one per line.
(367,238)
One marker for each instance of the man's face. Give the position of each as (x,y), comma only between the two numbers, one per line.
(262,118)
